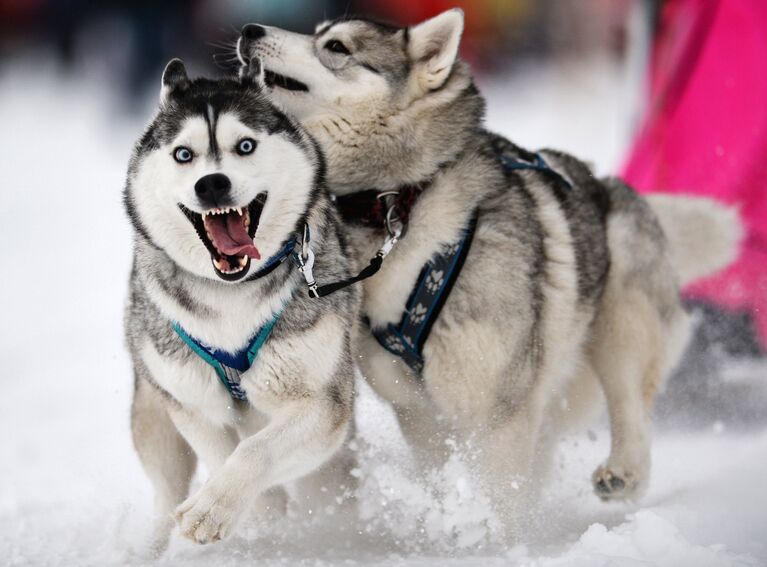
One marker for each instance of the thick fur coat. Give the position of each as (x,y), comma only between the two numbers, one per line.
(300,387)
(564,289)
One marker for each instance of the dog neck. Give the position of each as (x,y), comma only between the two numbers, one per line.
(402,145)
(219,313)
(367,208)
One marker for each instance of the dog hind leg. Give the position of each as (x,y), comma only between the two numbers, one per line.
(627,352)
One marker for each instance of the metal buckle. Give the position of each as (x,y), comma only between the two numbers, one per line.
(394,225)
(305,260)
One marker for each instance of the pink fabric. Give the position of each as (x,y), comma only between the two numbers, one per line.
(706,130)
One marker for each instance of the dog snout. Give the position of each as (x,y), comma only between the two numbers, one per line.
(250,34)
(213,189)
(253,32)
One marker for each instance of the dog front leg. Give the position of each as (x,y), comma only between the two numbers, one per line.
(212,443)
(166,457)
(301,436)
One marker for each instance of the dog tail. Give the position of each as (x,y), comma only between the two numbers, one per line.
(704,235)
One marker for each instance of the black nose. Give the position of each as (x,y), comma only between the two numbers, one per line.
(213,189)
(253,32)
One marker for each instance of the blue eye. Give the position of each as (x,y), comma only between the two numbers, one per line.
(245,146)
(183,155)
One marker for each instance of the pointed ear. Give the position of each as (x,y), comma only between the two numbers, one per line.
(252,71)
(174,78)
(433,47)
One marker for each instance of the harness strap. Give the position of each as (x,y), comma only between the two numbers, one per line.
(436,280)
(274,262)
(406,340)
(512,163)
(368,271)
(230,366)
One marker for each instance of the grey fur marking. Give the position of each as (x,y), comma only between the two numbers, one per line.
(300,388)
(563,290)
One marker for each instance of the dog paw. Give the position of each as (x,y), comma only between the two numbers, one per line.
(615,483)
(208,516)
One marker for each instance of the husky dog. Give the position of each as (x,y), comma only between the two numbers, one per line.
(234,362)
(570,281)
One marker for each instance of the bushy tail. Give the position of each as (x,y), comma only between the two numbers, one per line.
(704,235)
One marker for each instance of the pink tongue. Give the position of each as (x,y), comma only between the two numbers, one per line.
(230,236)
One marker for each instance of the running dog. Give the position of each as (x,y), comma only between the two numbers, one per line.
(235,364)
(547,281)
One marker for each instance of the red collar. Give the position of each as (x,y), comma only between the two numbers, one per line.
(366,208)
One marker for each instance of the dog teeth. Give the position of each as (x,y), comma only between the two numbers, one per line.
(224,211)
(242,261)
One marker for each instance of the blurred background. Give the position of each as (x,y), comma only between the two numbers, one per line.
(668,94)
(130,41)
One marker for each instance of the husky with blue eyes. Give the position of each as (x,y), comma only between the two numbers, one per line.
(235,364)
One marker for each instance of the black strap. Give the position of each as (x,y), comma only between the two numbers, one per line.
(370,270)
(366,208)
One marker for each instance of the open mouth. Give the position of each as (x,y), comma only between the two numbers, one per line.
(228,234)
(273,79)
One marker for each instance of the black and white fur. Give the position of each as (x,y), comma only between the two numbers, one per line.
(562,291)
(300,388)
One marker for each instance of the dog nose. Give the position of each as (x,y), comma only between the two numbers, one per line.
(213,189)
(253,32)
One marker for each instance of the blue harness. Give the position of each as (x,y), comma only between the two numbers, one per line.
(230,366)
(437,277)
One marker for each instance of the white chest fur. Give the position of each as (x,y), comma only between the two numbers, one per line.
(193,383)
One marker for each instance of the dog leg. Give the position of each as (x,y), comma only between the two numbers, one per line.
(212,443)
(300,437)
(331,489)
(425,435)
(626,352)
(504,461)
(166,457)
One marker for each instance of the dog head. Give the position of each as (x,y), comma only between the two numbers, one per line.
(221,179)
(375,96)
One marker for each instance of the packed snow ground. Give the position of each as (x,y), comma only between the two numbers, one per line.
(71,488)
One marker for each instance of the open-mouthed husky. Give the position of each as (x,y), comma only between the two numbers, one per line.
(234,362)
(569,281)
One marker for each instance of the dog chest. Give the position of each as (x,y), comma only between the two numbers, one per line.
(192,383)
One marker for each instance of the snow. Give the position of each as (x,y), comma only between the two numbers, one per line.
(72,490)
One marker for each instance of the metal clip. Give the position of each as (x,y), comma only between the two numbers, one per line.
(305,266)
(305,261)
(306,241)
(390,242)
(394,225)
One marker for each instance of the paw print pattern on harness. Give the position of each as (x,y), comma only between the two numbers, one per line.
(418,314)
(434,281)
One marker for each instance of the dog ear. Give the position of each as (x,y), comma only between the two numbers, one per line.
(433,47)
(174,79)
(252,72)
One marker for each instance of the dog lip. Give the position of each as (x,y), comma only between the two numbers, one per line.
(285,82)
(254,210)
